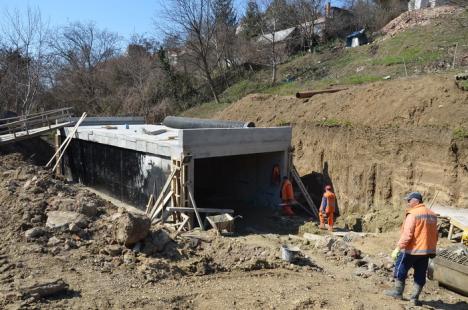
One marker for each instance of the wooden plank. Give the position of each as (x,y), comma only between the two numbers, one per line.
(201,210)
(195,209)
(161,194)
(161,206)
(450,232)
(68,143)
(69,137)
(184,222)
(149,204)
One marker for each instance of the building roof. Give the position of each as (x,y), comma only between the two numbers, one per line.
(277,36)
(285,33)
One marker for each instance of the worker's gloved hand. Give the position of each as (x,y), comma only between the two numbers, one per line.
(395,253)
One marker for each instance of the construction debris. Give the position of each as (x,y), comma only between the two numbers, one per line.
(80,244)
(45,289)
(130,227)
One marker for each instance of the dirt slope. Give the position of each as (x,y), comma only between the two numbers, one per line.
(375,142)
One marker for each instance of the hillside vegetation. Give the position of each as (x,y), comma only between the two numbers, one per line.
(420,50)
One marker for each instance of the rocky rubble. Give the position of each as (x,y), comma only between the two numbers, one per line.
(415,18)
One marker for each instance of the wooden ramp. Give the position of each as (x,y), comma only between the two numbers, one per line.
(18,128)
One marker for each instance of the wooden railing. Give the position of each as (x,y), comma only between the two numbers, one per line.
(13,125)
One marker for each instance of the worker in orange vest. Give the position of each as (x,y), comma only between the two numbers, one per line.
(327,208)
(287,196)
(417,244)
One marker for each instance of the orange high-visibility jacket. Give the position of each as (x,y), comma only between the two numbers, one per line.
(287,192)
(328,202)
(419,232)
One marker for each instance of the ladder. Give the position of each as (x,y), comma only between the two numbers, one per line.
(303,189)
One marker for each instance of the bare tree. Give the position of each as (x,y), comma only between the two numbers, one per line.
(225,34)
(269,25)
(308,12)
(194,21)
(81,49)
(25,35)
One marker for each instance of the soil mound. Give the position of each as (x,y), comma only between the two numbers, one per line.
(414,18)
(375,143)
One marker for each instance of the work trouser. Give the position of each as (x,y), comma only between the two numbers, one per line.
(287,208)
(406,261)
(329,218)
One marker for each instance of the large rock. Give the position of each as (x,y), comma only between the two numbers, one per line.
(34,232)
(130,228)
(61,219)
(88,207)
(156,242)
(45,289)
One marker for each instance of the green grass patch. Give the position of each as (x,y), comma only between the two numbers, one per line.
(463,84)
(460,133)
(205,110)
(331,122)
(282,123)
(241,89)
(360,79)
(410,55)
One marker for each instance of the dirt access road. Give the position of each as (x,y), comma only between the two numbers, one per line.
(289,287)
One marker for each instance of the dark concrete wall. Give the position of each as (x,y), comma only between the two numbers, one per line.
(127,175)
(237,182)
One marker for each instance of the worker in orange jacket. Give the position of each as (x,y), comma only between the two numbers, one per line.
(417,244)
(287,196)
(327,208)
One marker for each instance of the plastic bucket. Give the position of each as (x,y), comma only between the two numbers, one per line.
(288,253)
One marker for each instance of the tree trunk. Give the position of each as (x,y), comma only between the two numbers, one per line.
(211,83)
(210,80)
(273,72)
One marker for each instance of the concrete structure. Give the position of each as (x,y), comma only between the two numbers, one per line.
(227,167)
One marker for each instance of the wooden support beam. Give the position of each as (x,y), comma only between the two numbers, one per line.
(161,206)
(149,204)
(194,205)
(200,210)
(163,191)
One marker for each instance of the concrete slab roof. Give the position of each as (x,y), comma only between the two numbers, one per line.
(200,143)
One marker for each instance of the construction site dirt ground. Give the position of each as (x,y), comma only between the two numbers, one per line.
(200,270)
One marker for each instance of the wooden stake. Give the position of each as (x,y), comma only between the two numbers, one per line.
(161,206)
(66,146)
(195,208)
(69,137)
(149,204)
(454,54)
(164,189)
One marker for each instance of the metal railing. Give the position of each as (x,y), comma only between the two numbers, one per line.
(25,123)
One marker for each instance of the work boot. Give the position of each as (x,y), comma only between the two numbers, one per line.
(414,299)
(397,292)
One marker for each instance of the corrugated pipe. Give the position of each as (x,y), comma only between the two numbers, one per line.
(191,123)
